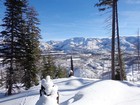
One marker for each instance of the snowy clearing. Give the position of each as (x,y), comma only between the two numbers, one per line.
(82,91)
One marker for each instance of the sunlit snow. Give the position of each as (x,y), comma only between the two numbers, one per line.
(81,91)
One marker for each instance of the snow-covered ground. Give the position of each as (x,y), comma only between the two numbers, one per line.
(82,91)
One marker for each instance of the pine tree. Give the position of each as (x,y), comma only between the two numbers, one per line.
(20,47)
(11,33)
(49,67)
(32,50)
(60,72)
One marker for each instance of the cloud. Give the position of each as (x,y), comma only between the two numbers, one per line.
(133,1)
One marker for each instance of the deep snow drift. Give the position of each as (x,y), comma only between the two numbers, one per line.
(82,91)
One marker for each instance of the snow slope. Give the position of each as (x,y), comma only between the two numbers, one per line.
(82,91)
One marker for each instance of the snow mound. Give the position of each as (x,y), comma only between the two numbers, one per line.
(74,83)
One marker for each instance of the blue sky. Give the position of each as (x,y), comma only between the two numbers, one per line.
(62,19)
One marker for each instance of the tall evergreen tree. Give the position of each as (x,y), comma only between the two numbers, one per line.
(11,33)
(31,46)
(20,47)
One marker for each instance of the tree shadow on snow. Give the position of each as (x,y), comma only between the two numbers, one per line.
(18,96)
(77,96)
(73,99)
(130,84)
(81,87)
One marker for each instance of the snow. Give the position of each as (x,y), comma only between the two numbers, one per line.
(80,91)
(48,84)
(81,44)
(49,92)
(92,57)
(46,100)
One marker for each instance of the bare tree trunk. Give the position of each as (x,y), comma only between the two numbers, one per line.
(10,83)
(113,41)
(71,73)
(118,42)
(138,52)
(72,65)
(132,73)
(10,76)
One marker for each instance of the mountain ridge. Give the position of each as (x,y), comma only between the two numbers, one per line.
(88,45)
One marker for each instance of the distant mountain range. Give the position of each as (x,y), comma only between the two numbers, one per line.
(85,63)
(89,45)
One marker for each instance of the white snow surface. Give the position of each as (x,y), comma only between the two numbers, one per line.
(46,100)
(80,91)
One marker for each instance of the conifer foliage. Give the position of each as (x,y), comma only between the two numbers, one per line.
(50,68)
(20,49)
(32,51)
(11,49)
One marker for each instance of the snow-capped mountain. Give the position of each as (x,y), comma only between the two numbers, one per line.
(92,56)
(86,45)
